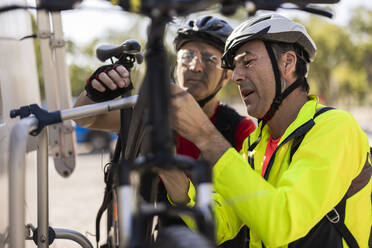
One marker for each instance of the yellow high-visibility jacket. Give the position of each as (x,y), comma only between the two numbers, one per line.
(297,195)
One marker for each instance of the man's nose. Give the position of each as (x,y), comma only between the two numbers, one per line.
(238,76)
(196,64)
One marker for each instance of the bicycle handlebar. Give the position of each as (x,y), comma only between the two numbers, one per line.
(183,7)
(228,7)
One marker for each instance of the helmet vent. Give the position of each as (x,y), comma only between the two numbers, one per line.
(260,20)
(205,20)
(216,27)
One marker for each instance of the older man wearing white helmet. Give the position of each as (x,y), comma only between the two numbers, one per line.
(302,179)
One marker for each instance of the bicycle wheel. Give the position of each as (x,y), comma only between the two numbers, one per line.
(181,237)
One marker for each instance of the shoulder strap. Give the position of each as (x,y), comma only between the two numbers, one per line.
(357,184)
(297,141)
(337,218)
(334,215)
(227,120)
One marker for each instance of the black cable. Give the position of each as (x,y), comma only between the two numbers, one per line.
(33,36)
(15,6)
(16,39)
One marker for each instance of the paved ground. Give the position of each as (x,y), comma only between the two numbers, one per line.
(74,201)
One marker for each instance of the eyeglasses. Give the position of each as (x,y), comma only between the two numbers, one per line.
(186,57)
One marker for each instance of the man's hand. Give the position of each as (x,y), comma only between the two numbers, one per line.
(108,82)
(191,122)
(177,185)
(116,77)
(189,119)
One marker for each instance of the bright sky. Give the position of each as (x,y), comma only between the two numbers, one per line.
(97,16)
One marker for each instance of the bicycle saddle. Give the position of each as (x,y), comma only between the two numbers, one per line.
(128,47)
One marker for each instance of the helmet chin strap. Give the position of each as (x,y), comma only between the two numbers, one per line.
(205,100)
(279,96)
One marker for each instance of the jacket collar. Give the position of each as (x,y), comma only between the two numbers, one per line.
(306,113)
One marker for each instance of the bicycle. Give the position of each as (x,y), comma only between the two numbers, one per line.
(151,136)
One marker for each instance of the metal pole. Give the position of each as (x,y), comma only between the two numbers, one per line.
(42,191)
(98,108)
(74,236)
(58,45)
(61,137)
(49,68)
(17,152)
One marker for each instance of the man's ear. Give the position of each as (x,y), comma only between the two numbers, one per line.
(288,64)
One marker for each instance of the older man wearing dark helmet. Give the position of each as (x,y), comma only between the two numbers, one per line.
(199,46)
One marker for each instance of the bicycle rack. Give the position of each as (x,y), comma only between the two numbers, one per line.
(17,170)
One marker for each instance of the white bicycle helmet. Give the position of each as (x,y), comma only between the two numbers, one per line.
(268,27)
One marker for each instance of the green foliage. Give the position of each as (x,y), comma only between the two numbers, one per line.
(341,72)
(229,91)
(361,21)
(334,48)
(38,58)
(78,77)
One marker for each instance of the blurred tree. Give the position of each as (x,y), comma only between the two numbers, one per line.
(334,48)
(38,58)
(361,33)
(81,69)
(78,77)
(341,73)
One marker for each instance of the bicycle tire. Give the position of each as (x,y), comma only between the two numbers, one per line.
(181,237)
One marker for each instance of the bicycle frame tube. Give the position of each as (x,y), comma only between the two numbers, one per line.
(98,108)
(157,80)
(125,199)
(157,149)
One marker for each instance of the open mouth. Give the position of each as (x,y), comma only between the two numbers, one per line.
(246,92)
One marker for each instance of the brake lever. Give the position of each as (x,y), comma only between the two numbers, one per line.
(252,6)
(317,11)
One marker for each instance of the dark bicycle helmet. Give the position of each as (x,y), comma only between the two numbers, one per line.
(209,29)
